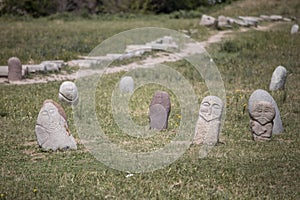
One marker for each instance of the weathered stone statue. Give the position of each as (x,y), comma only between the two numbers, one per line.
(262,114)
(52,129)
(209,122)
(262,95)
(68,93)
(159,110)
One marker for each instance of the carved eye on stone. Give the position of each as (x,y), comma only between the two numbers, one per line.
(206,104)
(216,106)
(44,112)
(268,109)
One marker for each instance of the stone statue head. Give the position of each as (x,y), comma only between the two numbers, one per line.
(51,113)
(262,112)
(211,108)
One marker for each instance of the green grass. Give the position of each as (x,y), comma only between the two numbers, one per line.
(36,40)
(237,168)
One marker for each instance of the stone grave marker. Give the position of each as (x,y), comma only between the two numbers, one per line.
(262,95)
(278,78)
(14,69)
(68,93)
(262,114)
(159,110)
(208,125)
(52,128)
(126,85)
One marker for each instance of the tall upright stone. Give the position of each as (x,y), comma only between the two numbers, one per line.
(52,128)
(295,29)
(14,69)
(126,85)
(278,78)
(159,110)
(262,95)
(262,114)
(208,125)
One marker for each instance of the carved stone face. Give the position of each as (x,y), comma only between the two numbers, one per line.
(49,115)
(263,112)
(211,108)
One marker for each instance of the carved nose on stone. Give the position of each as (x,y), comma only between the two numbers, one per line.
(209,111)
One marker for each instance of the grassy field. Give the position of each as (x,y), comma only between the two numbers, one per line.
(237,168)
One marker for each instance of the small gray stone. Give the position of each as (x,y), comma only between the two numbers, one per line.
(126,85)
(251,21)
(14,69)
(262,114)
(52,128)
(237,22)
(278,78)
(208,125)
(207,20)
(159,110)
(262,95)
(295,29)
(68,93)
(276,17)
(223,22)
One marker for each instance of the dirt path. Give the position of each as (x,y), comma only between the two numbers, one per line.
(148,62)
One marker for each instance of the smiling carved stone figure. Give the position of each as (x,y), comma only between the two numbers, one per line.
(52,129)
(208,125)
(262,115)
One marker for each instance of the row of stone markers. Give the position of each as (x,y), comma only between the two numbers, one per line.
(223,22)
(52,128)
(15,71)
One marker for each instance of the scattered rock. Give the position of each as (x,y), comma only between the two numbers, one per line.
(85,63)
(238,22)
(3,71)
(159,110)
(222,22)
(126,85)
(14,69)
(207,20)
(262,95)
(52,129)
(68,93)
(165,43)
(276,18)
(251,21)
(278,78)
(35,68)
(208,125)
(262,114)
